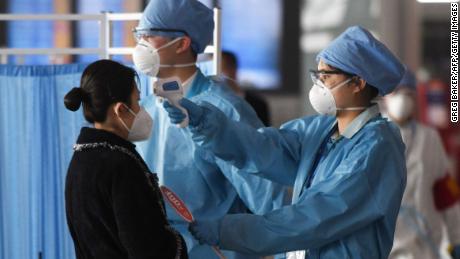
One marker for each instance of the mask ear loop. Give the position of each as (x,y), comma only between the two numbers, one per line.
(337,86)
(178,65)
(320,83)
(121,120)
(169,44)
(352,109)
(129,109)
(359,108)
(146,44)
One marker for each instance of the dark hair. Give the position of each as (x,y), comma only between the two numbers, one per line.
(230,58)
(103,83)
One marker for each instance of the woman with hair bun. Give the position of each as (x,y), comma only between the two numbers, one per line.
(113,204)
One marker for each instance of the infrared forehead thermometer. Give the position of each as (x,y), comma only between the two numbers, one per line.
(172,90)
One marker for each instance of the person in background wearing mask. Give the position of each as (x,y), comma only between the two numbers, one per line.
(229,70)
(346,165)
(170,34)
(430,200)
(113,204)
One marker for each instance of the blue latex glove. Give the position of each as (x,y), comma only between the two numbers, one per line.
(456,252)
(195,112)
(206,232)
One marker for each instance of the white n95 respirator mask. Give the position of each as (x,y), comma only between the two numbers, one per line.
(322,99)
(399,106)
(141,127)
(147,59)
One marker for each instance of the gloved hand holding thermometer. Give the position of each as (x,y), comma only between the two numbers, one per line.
(193,115)
(171,89)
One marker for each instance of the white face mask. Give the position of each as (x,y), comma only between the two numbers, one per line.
(400,106)
(141,127)
(322,99)
(147,59)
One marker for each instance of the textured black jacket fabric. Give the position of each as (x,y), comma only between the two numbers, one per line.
(114,209)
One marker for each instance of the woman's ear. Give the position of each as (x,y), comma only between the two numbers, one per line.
(184,44)
(119,109)
(359,84)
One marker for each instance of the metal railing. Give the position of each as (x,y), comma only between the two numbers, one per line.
(105,50)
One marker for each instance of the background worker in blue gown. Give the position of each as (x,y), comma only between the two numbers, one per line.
(170,34)
(346,165)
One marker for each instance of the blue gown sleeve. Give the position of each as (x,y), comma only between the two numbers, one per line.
(258,194)
(267,152)
(361,191)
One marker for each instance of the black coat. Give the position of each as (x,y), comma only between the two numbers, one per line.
(113,203)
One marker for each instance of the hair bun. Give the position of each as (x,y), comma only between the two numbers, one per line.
(74,98)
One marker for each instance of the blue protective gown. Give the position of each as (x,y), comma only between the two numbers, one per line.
(207,185)
(345,208)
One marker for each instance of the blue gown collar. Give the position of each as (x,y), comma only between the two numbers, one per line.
(200,84)
(359,122)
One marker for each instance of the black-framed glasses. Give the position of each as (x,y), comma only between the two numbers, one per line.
(138,33)
(327,72)
(317,74)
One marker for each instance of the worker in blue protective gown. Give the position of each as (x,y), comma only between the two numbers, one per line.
(170,34)
(346,165)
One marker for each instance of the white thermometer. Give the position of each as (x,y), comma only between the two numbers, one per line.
(172,90)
